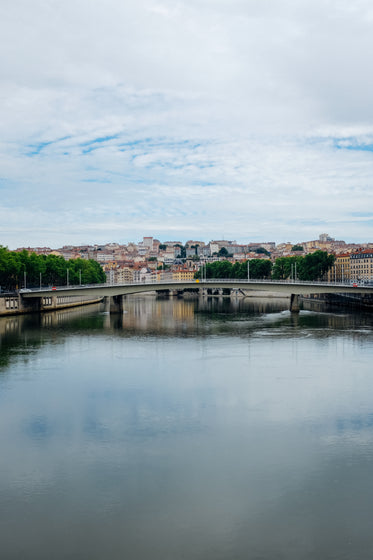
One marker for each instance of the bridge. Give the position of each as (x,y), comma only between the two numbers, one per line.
(45,296)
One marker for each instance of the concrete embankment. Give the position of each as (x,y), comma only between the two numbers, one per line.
(358,301)
(14,304)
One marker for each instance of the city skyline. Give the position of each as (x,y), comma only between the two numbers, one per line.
(239,119)
(150,243)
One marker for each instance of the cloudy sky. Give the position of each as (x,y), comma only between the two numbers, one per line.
(185,119)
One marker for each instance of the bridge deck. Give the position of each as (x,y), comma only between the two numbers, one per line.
(284,287)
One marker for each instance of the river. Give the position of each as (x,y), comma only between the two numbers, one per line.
(216,429)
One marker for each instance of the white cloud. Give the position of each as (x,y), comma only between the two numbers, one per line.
(157,116)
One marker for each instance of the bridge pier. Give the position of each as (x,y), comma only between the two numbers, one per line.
(116,304)
(294,303)
(113,304)
(107,304)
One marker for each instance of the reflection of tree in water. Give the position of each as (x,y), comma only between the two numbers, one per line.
(22,334)
(13,339)
(149,316)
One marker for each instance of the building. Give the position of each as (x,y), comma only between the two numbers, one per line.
(148,242)
(141,274)
(171,243)
(124,275)
(342,267)
(361,266)
(325,238)
(192,251)
(118,275)
(183,274)
(142,249)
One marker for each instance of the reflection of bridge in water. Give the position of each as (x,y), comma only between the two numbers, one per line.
(47,298)
(145,316)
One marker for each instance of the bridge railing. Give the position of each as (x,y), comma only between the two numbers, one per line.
(166,281)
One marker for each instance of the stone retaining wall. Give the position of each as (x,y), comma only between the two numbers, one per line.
(14,304)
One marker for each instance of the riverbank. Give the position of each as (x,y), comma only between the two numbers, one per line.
(14,304)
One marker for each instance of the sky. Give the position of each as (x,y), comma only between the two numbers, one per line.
(249,120)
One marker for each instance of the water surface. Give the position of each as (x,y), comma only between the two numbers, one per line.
(186,429)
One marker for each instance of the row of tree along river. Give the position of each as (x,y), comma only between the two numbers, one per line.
(19,267)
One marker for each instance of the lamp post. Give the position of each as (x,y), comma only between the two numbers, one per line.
(248,270)
(80,277)
(67,277)
(24,278)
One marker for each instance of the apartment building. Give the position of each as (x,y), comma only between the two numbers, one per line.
(342,271)
(361,266)
(182,274)
(124,275)
(118,275)
(148,242)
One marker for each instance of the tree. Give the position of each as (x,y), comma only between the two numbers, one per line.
(297,248)
(9,268)
(16,266)
(195,247)
(55,270)
(223,252)
(315,265)
(283,267)
(85,271)
(262,251)
(236,270)
(182,253)
(310,267)
(259,268)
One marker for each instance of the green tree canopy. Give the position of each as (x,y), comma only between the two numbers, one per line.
(223,252)
(310,267)
(315,265)
(259,268)
(182,253)
(262,251)
(285,267)
(16,267)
